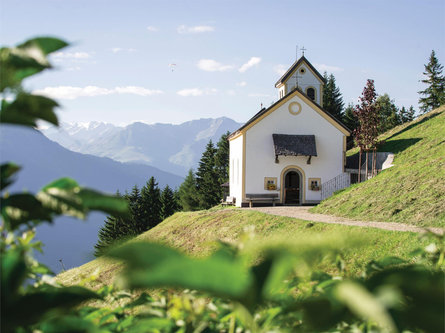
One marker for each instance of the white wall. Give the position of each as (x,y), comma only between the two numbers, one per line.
(260,156)
(235,169)
(304,81)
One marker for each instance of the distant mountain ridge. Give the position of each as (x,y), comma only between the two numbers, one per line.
(169,147)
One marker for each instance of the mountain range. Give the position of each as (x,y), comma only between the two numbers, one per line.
(169,147)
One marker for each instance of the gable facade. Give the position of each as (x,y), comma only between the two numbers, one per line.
(258,166)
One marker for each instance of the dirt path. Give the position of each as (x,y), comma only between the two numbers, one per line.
(302,212)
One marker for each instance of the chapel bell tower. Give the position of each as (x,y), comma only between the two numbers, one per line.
(304,76)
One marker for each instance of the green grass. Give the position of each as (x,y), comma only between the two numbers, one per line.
(413,190)
(197,233)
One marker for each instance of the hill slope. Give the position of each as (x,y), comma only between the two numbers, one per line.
(413,190)
(196,233)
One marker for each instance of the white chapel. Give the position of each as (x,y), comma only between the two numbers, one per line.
(285,153)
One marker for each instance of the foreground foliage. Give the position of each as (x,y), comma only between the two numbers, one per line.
(243,287)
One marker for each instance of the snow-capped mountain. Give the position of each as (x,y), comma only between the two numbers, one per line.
(172,148)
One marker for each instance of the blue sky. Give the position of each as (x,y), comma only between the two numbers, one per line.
(228,54)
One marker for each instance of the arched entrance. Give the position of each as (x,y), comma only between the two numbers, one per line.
(293,187)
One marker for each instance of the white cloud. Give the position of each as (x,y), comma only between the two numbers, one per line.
(71,55)
(152,28)
(69,92)
(73,68)
(327,68)
(231,92)
(183,29)
(119,49)
(252,62)
(280,69)
(210,65)
(137,91)
(195,92)
(241,84)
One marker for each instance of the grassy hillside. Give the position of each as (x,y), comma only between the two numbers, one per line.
(196,233)
(413,190)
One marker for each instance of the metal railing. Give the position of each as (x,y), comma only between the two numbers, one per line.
(340,182)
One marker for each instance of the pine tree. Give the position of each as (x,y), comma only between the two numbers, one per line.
(405,115)
(332,99)
(188,197)
(115,231)
(207,179)
(169,203)
(388,113)
(222,161)
(151,204)
(349,119)
(434,94)
(136,210)
(411,113)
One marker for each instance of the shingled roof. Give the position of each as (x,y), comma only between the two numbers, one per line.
(294,145)
(294,66)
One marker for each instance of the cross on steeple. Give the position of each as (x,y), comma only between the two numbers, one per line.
(303,49)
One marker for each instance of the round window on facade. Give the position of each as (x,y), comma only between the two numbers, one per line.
(302,71)
(294,108)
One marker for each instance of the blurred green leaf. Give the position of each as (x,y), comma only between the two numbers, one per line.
(65,196)
(363,304)
(110,204)
(154,265)
(29,308)
(7,170)
(19,209)
(26,109)
(68,324)
(46,44)
(423,292)
(13,274)
(378,265)
(153,325)
(269,275)
(144,298)
(61,197)
(320,313)
(62,184)
(27,59)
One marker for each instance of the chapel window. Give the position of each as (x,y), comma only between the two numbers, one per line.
(310,92)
